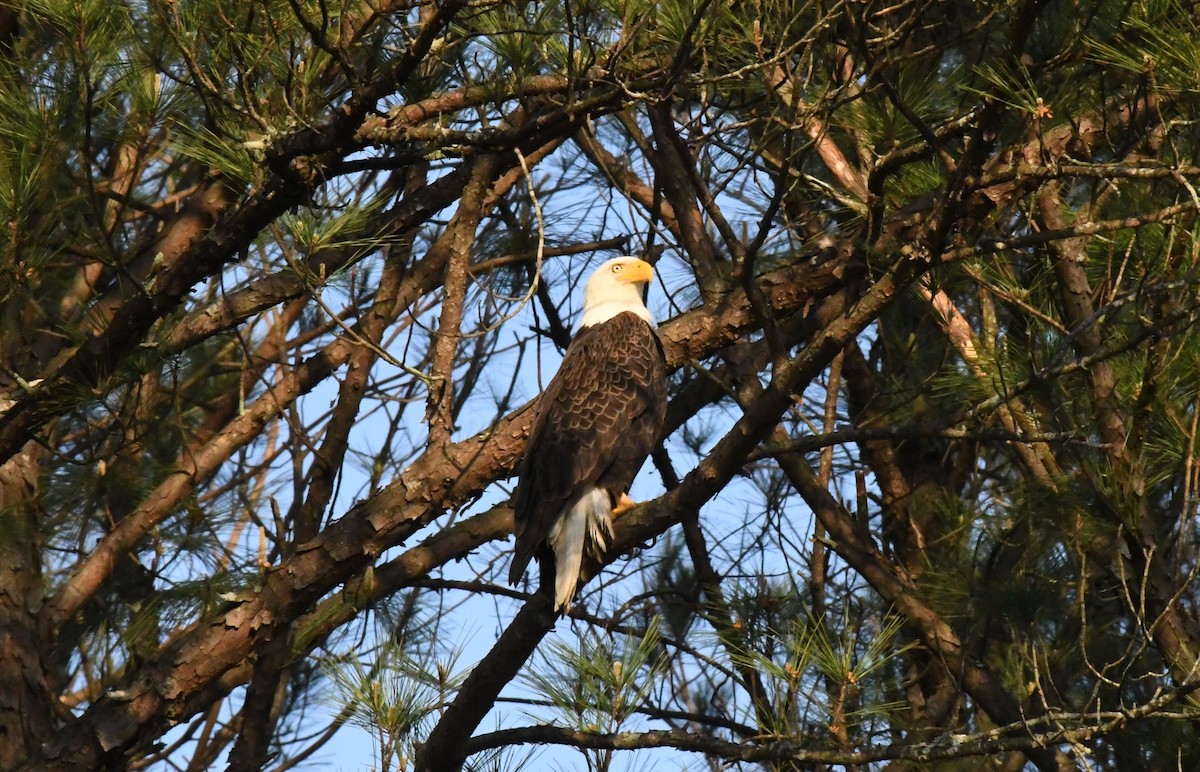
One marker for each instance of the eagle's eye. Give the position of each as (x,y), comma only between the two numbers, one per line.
(617,268)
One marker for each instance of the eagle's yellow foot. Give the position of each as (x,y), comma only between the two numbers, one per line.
(624,504)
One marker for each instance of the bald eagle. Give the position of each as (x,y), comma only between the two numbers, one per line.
(595,425)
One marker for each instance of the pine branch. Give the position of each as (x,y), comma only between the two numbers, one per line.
(1032,735)
(203,659)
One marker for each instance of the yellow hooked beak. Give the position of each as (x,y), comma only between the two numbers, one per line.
(634,272)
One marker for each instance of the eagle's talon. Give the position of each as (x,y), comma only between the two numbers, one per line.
(624,504)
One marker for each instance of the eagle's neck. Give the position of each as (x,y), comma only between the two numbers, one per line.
(601,308)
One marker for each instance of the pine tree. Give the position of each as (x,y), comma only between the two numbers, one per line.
(279,281)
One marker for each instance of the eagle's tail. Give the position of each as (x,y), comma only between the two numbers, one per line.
(587,525)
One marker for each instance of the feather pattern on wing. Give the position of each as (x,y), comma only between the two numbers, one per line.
(596,423)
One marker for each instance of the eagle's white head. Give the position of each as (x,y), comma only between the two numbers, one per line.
(616,286)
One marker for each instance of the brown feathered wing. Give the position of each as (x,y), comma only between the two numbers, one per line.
(596,423)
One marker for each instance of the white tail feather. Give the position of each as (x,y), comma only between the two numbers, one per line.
(587,524)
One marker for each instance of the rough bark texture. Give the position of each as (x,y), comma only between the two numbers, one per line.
(27,710)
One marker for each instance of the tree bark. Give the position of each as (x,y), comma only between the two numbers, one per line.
(27,715)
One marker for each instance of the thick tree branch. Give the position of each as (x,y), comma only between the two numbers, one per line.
(445,749)
(458,239)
